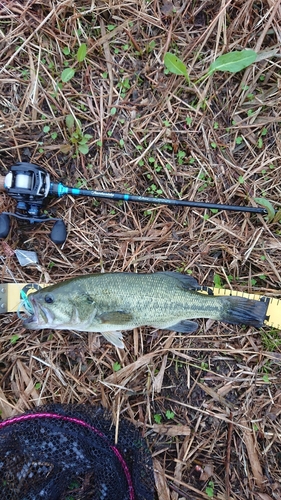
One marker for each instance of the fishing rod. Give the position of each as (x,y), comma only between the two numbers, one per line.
(30,185)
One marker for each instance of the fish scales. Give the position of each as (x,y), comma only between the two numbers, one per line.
(110,302)
(156,300)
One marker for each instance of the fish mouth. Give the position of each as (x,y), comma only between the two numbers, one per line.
(38,316)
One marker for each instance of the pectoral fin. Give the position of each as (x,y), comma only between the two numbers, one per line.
(115,318)
(114,338)
(184,326)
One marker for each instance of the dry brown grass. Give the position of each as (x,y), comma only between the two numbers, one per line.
(223,384)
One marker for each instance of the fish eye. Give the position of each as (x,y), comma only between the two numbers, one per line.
(49,298)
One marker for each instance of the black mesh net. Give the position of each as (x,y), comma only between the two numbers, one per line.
(68,452)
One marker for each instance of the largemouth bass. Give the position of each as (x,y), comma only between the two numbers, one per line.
(111,302)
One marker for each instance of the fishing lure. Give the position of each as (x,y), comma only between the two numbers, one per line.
(25,306)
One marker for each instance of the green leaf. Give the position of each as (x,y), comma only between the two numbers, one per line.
(217,281)
(69,121)
(67,74)
(175,65)
(116,366)
(83,140)
(233,61)
(66,51)
(157,418)
(83,148)
(14,338)
(170,414)
(81,52)
(210,489)
(268,206)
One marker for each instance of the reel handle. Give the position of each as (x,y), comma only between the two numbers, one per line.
(4,225)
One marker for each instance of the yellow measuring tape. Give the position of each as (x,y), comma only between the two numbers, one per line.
(10,298)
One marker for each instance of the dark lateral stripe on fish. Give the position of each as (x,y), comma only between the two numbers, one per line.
(245,311)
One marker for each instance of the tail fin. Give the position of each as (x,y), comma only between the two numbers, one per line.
(245,311)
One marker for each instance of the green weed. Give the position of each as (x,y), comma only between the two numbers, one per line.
(76,137)
(157,418)
(271,340)
(210,489)
(232,62)
(170,415)
(116,366)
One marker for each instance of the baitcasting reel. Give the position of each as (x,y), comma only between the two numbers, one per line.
(29,185)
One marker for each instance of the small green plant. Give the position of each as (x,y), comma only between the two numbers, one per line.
(76,137)
(25,74)
(217,281)
(170,415)
(207,181)
(204,366)
(271,340)
(266,378)
(153,162)
(81,184)
(14,339)
(152,189)
(232,62)
(124,85)
(175,65)
(268,206)
(157,418)
(116,366)
(81,52)
(151,46)
(210,489)
(181,156)
(68,73)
